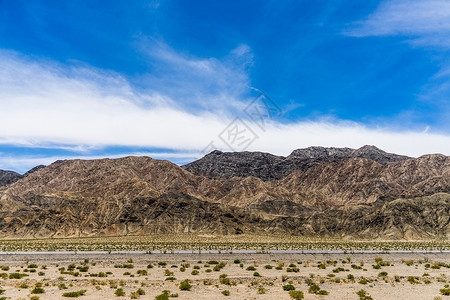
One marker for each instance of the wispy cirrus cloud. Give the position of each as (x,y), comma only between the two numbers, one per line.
(421,22)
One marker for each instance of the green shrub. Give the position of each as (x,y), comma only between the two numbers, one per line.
(313,289)
(363,281)
(17,275)
(119,292)
(140,292)
(226,293)
(185,285)
(445,292)
(74,294)
(297,295)
(163,296)
(288,287)
(363,295)
(261,290)
(38,290)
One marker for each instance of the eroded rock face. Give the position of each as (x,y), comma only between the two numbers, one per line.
(8,177)
(268,167)
(330,195)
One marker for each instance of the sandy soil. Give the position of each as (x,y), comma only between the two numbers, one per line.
(206,285)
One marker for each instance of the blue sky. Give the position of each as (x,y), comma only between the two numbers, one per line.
(167,79)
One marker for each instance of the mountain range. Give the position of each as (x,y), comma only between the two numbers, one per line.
(328,192)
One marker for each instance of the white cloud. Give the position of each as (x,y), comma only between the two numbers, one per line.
(422,22)
(43,104)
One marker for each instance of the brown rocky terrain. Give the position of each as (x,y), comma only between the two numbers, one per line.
(370,194)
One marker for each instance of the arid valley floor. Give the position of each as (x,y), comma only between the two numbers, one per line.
(245,276)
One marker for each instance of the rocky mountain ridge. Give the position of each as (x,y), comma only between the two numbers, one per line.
(267,166)
(332,195)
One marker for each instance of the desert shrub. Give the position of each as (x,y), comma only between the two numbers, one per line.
(163,296)
(62,286)
(223,279)
(261,290)
(185,285)
(363,281)
(83,268)
(195,272)
(17,275)
(237,261)
(412,279)
(268,267)
(445,291)
(382,274)
(350,276)
(256,274)
(140,292)
(119,292)
(297,295)
(251,268)
(288,287)
(363,295)
(23,285)
(142,272)
(409,262)
(226,293)
(75,294)
(38,290)
(313,289)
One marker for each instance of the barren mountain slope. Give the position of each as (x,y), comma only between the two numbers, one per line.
(268,167)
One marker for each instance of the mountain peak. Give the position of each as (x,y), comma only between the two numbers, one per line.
(366,151)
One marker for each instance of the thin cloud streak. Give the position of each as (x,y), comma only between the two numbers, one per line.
(421,22)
